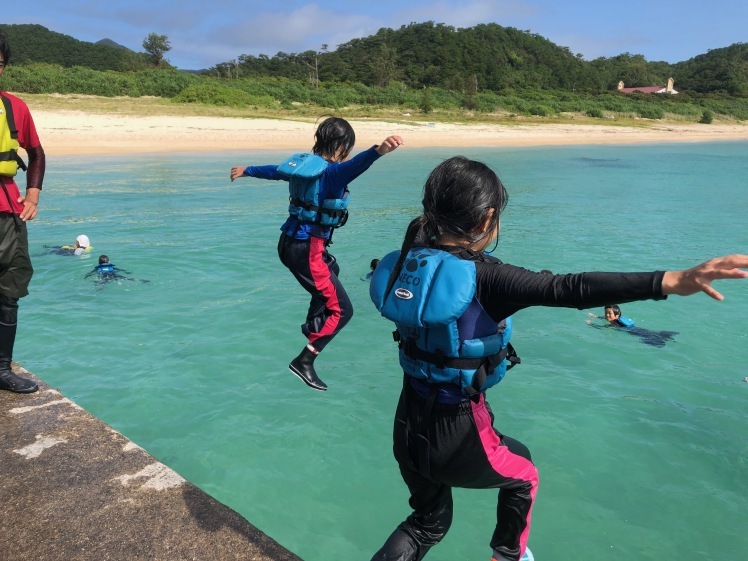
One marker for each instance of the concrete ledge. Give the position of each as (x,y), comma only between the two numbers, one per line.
(72,488)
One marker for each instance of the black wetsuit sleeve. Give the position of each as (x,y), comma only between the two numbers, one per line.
(37,166)
(504,289)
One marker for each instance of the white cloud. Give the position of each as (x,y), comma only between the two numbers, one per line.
(295,31)
(468,14)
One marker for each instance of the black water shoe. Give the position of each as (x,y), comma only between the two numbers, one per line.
(303,368)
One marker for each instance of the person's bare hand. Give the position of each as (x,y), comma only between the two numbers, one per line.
(236,172)
(29,211)
(700,277)
(389,144)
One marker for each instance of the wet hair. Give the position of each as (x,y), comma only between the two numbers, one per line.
(615,308)
(334,136)
(103,259)
(4,47)
(373,264)
(457,197)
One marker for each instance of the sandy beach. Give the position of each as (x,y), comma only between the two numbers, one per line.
(73,132)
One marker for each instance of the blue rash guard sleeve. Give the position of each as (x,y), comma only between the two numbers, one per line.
(337,176)
(263,172)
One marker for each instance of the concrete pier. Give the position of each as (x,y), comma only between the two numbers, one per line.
(74,489)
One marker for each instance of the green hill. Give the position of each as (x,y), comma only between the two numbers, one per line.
(720,70)
(489,57)
(483,58)
(35,43)
(110,43)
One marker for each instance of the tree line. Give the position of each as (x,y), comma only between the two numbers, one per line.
(483,58)
(31,43)
(489,57)
(487,69)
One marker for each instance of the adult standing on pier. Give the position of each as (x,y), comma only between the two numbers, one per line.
(17,130)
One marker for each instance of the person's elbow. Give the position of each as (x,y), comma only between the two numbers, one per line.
(36,154)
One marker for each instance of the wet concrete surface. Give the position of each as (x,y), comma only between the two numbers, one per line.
(74,489)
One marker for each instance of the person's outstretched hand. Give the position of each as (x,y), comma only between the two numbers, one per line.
(236,172)
(389,144)
(700,277)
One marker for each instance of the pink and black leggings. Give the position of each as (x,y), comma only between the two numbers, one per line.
(441,446)
(330,309)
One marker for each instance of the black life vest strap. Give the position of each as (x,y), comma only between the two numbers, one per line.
(9,117)
(334,212)
(340,214)
(483,366)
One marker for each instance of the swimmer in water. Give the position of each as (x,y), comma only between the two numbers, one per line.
(372,266)
(648,337)
(82,245)
(107,272)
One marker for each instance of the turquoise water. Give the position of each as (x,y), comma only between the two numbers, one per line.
(642,451)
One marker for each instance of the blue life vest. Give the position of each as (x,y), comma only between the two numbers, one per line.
(303,172)
(105,269)
(623,321)
(444,334)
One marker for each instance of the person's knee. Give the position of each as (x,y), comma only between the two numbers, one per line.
(8,310)
(347,314)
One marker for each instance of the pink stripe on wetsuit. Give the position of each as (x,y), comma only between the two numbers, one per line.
(322,281)
(504,462)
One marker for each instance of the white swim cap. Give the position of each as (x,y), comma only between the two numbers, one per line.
(83,240)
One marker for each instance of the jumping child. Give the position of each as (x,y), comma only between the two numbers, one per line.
(318,186)
(447,297)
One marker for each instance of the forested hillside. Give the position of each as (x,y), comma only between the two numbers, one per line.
(35,43)
(723,70)
(487,70)
(489,57)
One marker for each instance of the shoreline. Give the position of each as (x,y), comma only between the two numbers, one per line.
(65,132)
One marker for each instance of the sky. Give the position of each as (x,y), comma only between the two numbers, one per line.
(203,34)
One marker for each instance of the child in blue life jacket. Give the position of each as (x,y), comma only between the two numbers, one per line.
(107,272)
(613,315)
(447,297)
(318,187)
(648,337)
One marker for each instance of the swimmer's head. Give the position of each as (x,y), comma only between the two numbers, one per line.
(373,264)
(334,139)
(612,312)
(82,241)
(103,259)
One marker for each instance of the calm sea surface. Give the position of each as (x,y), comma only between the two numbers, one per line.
(642,451)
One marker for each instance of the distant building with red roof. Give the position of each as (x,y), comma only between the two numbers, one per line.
(649,89)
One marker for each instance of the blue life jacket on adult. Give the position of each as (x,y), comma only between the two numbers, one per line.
(444,334)
(303,172)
